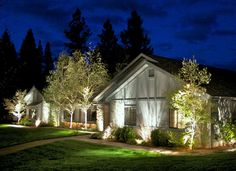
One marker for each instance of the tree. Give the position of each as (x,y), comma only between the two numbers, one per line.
(29,58)
(110,50)
(48,59)
(134,40)
(75,81)
(8,70)
(16,105)
(47,62)
(191,100)
(78,33)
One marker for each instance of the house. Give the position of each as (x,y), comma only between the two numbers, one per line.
(36,106)
(136,97)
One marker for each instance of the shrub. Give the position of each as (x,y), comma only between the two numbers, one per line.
(159,137)
(176,139)
(125,134)
(27,122)
(228,132)
(97,135)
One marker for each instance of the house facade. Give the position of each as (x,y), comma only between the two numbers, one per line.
(137,97)
(36,106)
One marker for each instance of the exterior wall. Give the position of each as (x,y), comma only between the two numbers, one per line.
(224,110)
(148,95)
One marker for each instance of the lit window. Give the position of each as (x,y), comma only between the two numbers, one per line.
(151,73)
(130,115)
(176,120)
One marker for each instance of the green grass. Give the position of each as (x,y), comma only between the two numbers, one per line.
(11,136)
(74,155)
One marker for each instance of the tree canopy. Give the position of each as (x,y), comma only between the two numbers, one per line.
(74,82)
(78,33)
(111,52)
(134,39)
(30,61)
(191,100)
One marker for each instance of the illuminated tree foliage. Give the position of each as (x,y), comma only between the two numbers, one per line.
(191,100)
(75,81)
(16,105)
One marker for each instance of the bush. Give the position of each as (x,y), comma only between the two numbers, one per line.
(27,122)
(176,139)
(97,135)
(125,134)
(228,132)
(159,137)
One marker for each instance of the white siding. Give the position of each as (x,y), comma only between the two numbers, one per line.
(148,95)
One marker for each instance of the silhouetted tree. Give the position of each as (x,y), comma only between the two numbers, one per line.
(134,39)
(78,33)
(8,70)
(29,58)
(48,61)
(110,50)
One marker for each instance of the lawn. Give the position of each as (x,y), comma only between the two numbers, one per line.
(12,135)
(74,155)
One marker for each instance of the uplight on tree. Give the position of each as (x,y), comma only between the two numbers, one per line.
(191,100)
(16,105)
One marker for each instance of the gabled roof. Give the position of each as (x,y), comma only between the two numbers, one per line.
(33,97)
(222,81)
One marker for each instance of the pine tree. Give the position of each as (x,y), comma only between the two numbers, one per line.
(31,66)
(8,70)
(134,39)
(47,59)
(78,33)
(110,50)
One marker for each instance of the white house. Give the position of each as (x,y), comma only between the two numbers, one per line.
(36,106)
(137,97)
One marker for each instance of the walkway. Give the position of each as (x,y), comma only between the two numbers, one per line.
(85,138)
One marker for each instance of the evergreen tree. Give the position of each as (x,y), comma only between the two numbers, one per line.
(78,33)
(110,50)
(134,39)
(30,60)
(8,70)
(39,64)
(48,61)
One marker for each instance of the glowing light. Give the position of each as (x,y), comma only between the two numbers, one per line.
(17,126)
(99,118)
(107,133)
(139,141)
(37,122)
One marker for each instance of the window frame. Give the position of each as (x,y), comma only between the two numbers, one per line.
(179,124)
(130,123)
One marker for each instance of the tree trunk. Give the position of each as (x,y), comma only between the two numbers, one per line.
(192,135)
(85,119)
(71,119)
(18,117)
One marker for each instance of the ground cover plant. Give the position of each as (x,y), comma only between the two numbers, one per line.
(75,155)
(14,135)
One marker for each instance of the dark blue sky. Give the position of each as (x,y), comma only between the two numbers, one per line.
(177,28)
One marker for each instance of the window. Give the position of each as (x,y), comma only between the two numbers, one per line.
(175,120)
(91,115)
(151,73)
(130,115)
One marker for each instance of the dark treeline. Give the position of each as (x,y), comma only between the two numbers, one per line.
(22,70)
(116,50)
(32,63)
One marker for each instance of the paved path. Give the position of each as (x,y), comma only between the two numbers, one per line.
(85,138)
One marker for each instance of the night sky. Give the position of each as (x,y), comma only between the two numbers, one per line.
(177,28)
